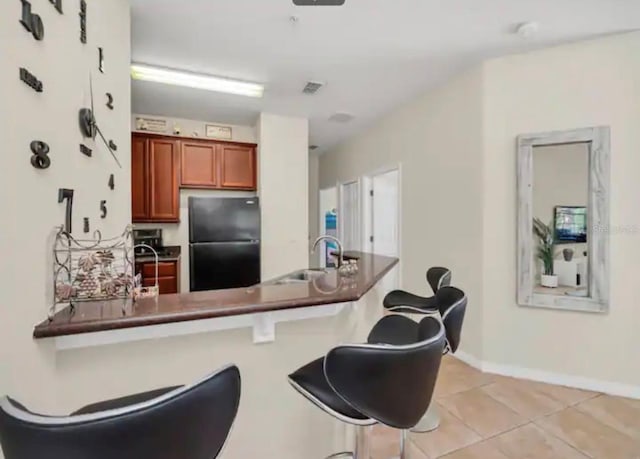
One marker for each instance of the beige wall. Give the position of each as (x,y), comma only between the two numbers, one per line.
(314,198)
(457,149)
(29,370)
(584,84)
(437,140)
(283,188)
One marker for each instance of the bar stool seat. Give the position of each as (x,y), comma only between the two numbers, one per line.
(401,301)
(395,330)
(311,382)
(357,383)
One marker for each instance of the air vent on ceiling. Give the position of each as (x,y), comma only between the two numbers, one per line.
(341,117)
(313,147)
(312,87)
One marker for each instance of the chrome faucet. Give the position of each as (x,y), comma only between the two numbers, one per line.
(337,241)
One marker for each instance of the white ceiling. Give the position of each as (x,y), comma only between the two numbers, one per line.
(373,54)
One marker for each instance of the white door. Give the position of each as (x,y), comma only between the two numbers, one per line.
(386,220)
(349,216)
(328,203)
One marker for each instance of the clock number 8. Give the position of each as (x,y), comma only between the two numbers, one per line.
(40,150)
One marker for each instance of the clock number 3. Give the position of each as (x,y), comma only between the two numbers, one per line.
(40,150)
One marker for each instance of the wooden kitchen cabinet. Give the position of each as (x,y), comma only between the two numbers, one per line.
(168,275)
(217,165)
(237,167)
(154,179)
(139,174)
(199,163)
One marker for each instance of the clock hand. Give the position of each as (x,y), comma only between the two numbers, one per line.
(108,147)
(93,113)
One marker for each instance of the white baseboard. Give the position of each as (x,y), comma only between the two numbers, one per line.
(559,379)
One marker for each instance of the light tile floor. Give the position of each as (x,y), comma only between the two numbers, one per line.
(486,416)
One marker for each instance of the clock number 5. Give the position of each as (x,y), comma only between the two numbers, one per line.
(103,209)
(32,22)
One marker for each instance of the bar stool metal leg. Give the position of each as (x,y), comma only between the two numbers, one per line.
(362,449)
(430,421)
(403,445)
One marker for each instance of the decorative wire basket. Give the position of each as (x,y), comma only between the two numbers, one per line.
(92,270)
(151,291)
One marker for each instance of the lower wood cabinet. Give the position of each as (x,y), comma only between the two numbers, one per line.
(168,275)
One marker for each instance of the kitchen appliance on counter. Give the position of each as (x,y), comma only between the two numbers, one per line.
(224,243)
(150,237)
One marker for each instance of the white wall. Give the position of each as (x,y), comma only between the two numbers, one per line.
(437,139)
(196,128)
(29,369)
(178,233)
(584,84)
(283,188)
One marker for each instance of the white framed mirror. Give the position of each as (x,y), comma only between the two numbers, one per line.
(563,219)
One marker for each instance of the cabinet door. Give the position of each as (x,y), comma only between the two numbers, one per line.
(166,284)
(164,197)
(198,161)
(139,179)
(237,167)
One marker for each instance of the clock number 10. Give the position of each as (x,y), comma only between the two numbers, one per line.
(32,22)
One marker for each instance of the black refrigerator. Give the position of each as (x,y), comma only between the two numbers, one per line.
(224,243)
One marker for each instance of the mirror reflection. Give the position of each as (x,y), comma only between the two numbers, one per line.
(560,219)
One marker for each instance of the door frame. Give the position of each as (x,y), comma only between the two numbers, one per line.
(340,187)
(367,211)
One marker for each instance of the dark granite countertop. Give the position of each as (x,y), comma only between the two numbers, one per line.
(112,315)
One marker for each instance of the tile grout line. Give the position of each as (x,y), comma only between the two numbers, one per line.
(584,453)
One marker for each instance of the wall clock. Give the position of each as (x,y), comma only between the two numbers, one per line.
(89,126)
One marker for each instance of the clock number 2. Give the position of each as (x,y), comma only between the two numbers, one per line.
(110,101)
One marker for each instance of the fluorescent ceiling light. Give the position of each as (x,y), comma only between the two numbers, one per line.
(194,80)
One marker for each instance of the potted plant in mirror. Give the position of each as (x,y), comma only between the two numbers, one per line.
(546,245)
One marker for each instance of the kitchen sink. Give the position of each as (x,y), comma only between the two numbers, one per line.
(300,277)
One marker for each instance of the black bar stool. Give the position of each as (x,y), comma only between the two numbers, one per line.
(403,301)
(358,383)
(189,422)
(450,304)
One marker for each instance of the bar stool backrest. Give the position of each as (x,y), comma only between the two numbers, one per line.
(391,384)
(191,422)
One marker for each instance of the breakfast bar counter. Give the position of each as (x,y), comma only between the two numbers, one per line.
(327,288)
(102,351)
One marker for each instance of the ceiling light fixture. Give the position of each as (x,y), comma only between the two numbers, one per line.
(527,29)
(194,80)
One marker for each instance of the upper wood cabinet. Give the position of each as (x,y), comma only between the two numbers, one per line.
(199,162)
(154,179)
(217,165)
(237,167)
(139,176)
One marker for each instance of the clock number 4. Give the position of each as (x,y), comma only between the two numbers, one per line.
(32,22)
